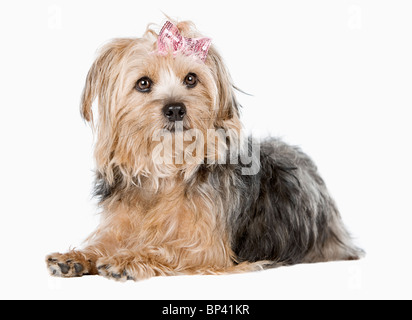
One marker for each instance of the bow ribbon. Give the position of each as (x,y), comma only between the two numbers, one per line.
(170,39)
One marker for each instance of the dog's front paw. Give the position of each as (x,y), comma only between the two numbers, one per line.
(116,268)
(69,265)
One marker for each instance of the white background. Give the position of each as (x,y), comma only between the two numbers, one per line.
(333,77)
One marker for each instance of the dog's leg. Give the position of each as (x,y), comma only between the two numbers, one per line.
(128,265)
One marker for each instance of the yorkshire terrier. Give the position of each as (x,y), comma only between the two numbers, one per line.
(180,190)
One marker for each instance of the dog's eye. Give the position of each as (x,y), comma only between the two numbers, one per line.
(191,80)
(144,84)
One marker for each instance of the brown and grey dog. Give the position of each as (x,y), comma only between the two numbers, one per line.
(176,192)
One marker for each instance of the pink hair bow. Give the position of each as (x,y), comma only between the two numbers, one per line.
(170,39)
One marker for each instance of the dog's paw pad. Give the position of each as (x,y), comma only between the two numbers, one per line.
(78,268)
(64,268)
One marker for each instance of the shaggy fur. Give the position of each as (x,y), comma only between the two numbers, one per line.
(200,216)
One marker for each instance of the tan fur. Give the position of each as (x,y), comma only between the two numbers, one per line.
(155,226)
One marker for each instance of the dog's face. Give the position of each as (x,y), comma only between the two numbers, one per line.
(141,92)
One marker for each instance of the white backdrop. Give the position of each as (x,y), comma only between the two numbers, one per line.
(333,77)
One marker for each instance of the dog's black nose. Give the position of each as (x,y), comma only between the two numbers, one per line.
(174,111)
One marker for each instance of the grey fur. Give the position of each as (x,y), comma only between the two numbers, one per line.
(284,213)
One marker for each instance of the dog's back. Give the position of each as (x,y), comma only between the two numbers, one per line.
(284,213)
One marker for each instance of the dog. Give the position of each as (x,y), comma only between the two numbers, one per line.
(175,191)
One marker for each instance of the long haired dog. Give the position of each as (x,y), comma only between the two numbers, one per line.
(179,191)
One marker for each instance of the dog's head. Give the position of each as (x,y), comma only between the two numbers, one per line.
(141,92)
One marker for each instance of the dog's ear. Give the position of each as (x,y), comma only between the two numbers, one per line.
(228,105)
(98,79)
